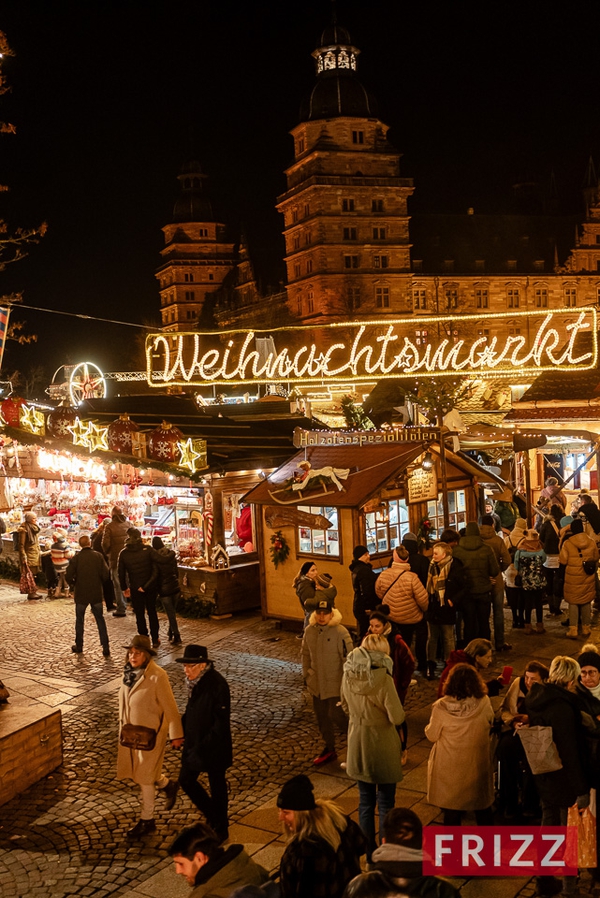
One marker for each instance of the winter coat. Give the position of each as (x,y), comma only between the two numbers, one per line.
(363,583)
(419,565)
(580,588)
(229,869)
(206,724)
(137,569)
(403,666)
(530,565)
(310,868)
(479,563)
(29,547)
(113,538)
(458,656)
(497,545)
(514,701)
(551,705)
(459,771)
(88,572)
(591,513)
(456,592)
(61,553)
(150,703)
(324,650)
(370,700)
(166,564)
(589,707)
(549,536)
(508,512)
(512,542)
(309,595)
(404,866)
(402,590)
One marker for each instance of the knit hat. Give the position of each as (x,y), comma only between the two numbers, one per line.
(564,522)
(324,605)
(410,537)
(60,534)
(591,658)
(157,542)
(472,529)
(324,580)
(577,526)
(297,795)
(399,554)
(520,524)
(359,551)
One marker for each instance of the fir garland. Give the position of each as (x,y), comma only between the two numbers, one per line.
(279,548)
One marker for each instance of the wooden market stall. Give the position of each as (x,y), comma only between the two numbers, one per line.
(349,488)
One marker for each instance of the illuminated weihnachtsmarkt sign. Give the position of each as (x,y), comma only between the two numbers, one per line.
(365,351)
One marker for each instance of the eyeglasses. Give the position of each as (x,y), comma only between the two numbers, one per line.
(590,673)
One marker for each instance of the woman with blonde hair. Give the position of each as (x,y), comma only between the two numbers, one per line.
(324,846)
(370,700)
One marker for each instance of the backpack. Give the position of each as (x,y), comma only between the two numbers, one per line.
(531,569)
(512,549)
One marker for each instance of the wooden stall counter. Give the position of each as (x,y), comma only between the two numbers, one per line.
(232,589)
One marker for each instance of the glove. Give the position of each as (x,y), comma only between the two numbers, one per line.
(583,801)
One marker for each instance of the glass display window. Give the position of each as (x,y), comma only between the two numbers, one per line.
(320,542)
(386,526)
(457,513)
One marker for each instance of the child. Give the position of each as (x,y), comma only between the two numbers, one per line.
(61,553)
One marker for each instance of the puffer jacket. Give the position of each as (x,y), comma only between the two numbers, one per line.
(309,595)
(402,590)
(113,538)
(166,563)
(478,560)
(137,569)
(516,536)
(370,700)
(324,650)
(580,588)
(508,512)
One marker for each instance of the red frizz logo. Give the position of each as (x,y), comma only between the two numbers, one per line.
(499,851)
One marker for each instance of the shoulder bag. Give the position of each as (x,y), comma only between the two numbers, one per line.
(137,737)
(390,586)
(540,748)
(588,566)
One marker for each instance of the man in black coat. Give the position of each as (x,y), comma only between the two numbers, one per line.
(363,583)
(138,579)
(207,744)
(88,573)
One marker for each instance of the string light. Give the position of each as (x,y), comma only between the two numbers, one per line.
(376,349)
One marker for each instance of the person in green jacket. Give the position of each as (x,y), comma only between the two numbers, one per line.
(213,871)
(481,569)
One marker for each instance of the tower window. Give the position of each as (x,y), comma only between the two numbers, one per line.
(188,277)
(420,300)
(348,205)
(570,296)
(299,307)
(421,338)
(350,261)
(541,298)
(307,238)
(297,241)
(294,215)
(378,233)
(376,205)
(306,210)
(211,276)
(349,233)
(481,299)
(310,302)
(358,137)
(512,298)
(451,299)
(382,297)
(203,232)
(380,261)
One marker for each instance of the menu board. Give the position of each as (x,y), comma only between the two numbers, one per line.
(422,486)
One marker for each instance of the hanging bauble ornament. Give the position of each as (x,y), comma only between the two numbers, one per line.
(11,410)
(162,443)
(59,421)
(119,435)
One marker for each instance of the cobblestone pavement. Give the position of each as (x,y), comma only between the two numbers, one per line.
(65,836)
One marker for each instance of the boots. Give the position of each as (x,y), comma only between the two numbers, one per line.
(528,629)
(539,628)
(586,630)
(572,633)
(431,666)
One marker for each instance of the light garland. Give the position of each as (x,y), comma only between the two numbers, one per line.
(192,359)
(68,466)
(32,419)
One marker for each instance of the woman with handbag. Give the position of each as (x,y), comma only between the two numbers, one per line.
(406,596)
(148,715)
(30,557)
(529,562)
(579,555)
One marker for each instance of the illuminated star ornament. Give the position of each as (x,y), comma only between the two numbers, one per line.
(32,419)
(80,431)
(97,437)
(189,453)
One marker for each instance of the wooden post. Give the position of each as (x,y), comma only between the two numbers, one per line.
(444,477)
(527,486)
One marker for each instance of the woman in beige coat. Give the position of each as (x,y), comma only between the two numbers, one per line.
(580,587)
(146,699)
(459,772)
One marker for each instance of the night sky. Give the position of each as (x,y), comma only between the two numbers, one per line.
(110,98)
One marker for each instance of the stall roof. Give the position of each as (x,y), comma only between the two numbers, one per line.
(369,470)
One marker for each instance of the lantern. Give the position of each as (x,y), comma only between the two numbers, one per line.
(59,421)
(162,443)
(119,435)
(11,410)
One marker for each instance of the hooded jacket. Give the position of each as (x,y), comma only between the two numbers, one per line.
(113,538)
(309,595)
(363,583)
(580,588)
(404,866)
(496,544)
(230,869)
(459,771)
(512,541)
(137,569)
(324,650)
(478,560)
(166,565)
(402,590)
(551,705)
(370,700)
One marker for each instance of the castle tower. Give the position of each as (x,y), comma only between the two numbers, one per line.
(345,208)
(196,256)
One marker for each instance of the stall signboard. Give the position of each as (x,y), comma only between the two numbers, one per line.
(303,439)
(366,351)
(421,485)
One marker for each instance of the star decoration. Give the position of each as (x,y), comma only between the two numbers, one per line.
(80,431)
(32,419)
(97,437)
(190,452)
(487,357)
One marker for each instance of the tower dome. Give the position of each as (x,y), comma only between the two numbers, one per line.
(193,203)
(337,92)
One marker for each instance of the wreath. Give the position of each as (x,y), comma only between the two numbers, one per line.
(424,532)
(279,548)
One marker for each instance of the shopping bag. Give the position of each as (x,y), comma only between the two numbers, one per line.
(27,585)
(585,822)
(542,753)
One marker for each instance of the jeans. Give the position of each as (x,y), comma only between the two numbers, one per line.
(98,612)
(498,611)
(371,794)
(213,806)
(477,617)
(446,631)
(120,601)
(168,603)
(142,602)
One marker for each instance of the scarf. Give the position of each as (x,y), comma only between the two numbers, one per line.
(31,531)
(131,674)
(191,683)
(437,576)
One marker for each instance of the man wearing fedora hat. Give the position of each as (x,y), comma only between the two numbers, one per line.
(207,733)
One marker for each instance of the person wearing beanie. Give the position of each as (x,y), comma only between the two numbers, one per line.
(488,510)
(114,535)
(310,590)
(400,588)
(579,555)
(324,845)
(481,568)
(363,584)
(169,590)
(138,579)
(496,544)
(400,857)
(325,646)
(529,563)
(61,554)
(550,540)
